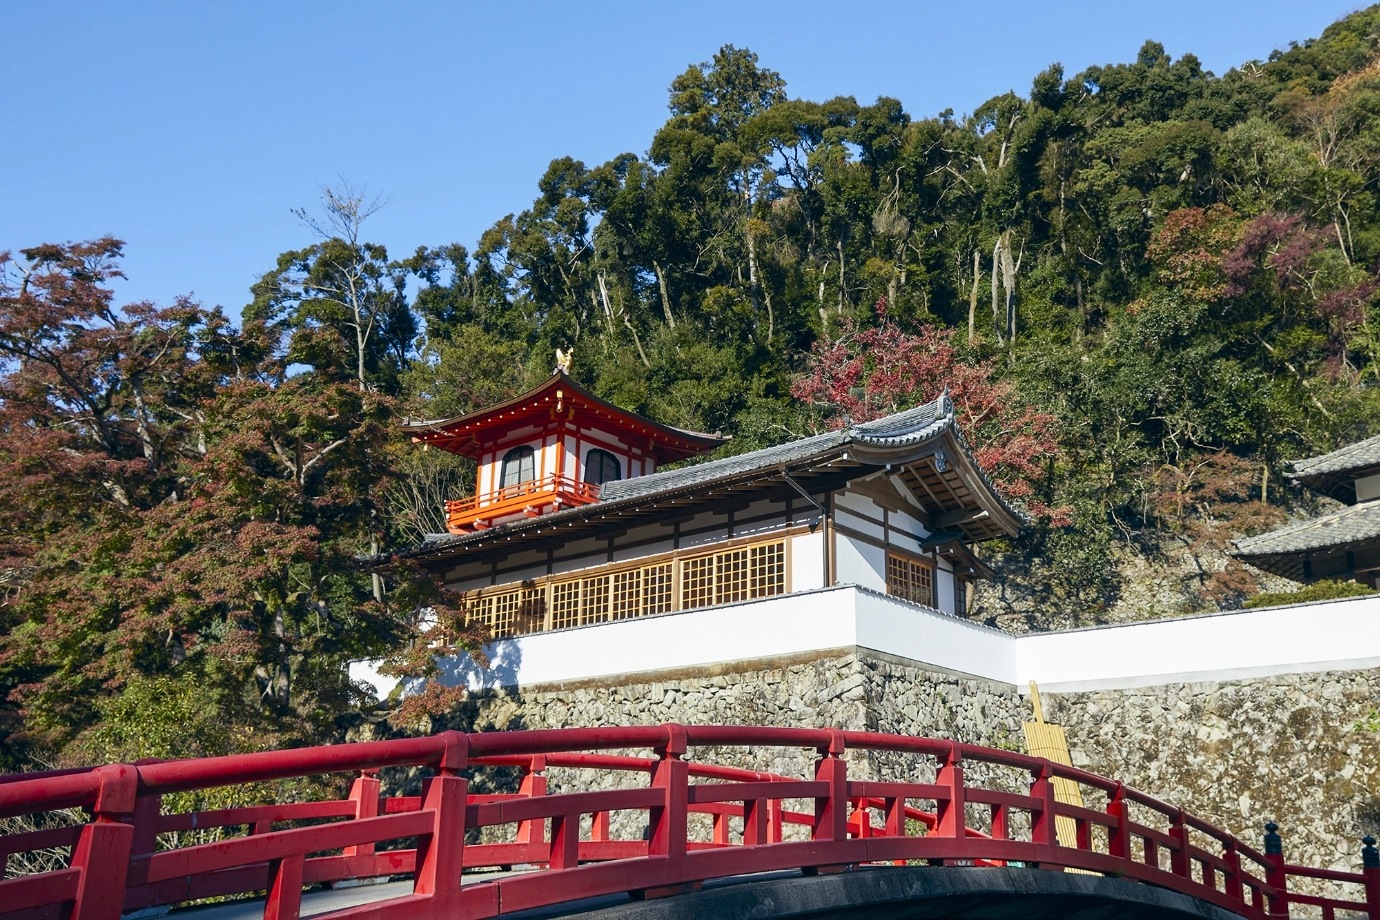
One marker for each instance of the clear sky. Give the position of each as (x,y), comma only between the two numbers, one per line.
(190,129)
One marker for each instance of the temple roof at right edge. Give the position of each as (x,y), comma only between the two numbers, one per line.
(1282,551)
(923,447)
(1332,473)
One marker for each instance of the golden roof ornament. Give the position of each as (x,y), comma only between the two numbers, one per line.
(563,359)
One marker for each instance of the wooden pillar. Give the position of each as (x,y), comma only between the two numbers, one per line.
(103,847)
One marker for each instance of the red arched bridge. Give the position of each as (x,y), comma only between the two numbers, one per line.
(547,849)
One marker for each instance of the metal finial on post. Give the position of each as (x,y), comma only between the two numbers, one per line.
(1273,843)
(1370,856)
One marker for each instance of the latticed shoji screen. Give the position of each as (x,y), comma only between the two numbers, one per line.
(737,574)
(509,613)
(910,580)
(618,596)
(733,575)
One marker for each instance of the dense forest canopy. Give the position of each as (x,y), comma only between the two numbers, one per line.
(1154,284)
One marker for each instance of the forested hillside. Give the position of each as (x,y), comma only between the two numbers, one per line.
(1146,285)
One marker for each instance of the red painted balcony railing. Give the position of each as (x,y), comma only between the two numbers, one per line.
(478,511)
(116,864)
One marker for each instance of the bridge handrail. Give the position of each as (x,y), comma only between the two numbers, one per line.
(117,866)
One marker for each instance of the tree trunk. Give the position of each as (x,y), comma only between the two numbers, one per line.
(665,297)
(752,271)
(378,579)
(1008,271)
(771,314)
(840,277)
(972,297)
(604,292)
(996,272)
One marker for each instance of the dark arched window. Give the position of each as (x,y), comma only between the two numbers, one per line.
(601,467)
(518,466)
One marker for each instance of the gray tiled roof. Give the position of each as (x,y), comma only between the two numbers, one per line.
(1352,457)
(910,426)
(1350,525)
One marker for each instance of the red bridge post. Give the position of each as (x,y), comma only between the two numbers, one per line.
(1277,905)
(831,812)
(1119,834)
(440,853)
(1370,867)
(148,814)
(533,832)
(1043,830)
(1179,857)
(1232,857)
(669,822)
(950,815)
(103,848)
(364,793)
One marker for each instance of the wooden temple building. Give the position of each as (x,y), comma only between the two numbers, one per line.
(574,521)
(1344,544)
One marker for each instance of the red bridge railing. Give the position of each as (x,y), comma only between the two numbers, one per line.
(116,863)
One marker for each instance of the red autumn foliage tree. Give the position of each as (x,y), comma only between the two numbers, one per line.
(862,374)
(174,504)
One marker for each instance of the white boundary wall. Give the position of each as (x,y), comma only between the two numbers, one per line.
(1326,636)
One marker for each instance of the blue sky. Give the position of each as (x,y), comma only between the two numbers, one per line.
(190,129)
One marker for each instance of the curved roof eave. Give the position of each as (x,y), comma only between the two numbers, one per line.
(560,378)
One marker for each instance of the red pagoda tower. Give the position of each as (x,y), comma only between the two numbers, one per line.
(551,448)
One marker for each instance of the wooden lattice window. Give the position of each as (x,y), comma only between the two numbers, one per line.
(734,575)
(627,594)
(731,576)
(697,582)
(767,570)
(601,467)
(910,580)
(480,611)
(656,589)
(531,613)
(565,604)
(595,600)
(505,611)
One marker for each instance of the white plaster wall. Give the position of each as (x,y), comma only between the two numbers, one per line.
(1308,638)
(944,590)
(887,624)
(1327,636)
(906,541)
(807,561)
(855,502)
(859,563)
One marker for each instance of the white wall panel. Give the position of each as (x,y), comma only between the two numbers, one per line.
(859,563)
